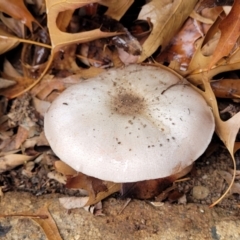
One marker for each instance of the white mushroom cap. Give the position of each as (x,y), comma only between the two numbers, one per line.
(130,124)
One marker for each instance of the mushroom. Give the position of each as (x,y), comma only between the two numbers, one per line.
(131,124)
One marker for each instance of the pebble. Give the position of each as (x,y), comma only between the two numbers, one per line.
(200,192)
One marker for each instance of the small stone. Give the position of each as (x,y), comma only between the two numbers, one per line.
(200,192)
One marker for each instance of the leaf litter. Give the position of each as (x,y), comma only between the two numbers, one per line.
(59,60)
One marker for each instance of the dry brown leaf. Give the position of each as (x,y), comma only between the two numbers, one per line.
(209,48)
(200,18)
(22,83)
(7,41)
(167,17)
(44,219)
(64,19)
(40,105)
(10,38)
(11,161)
(50,83)
(198,68)
(230,32)
(227,131)
(226,88)
(14,25)
(17,10)
(116,8)
(4,83)
(96,188)
(73,202)
(145,189)
(182,47)
(228,178)
(236,146)
(10,71)
(21,136)
(213,3)
(59,38)
(36,141)
(57,176)
(64,168)
(48,224)
(151,188)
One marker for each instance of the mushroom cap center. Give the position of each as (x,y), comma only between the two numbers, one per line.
(127,102)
